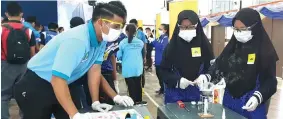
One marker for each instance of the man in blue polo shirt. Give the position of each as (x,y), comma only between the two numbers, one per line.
(68,56)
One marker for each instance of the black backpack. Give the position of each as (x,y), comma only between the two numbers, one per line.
(18,48)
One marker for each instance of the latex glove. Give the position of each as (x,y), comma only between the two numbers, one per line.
(123,100)
(221,84)
(82,116)
(212,61)
(116,84)
(150,39)
(251,104)
(101,107)
(184,83)
(202,79)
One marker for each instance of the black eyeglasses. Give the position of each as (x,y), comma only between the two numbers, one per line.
(190,27)
(244,29)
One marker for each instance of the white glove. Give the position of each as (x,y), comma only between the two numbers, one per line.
(221,84)
(202,79)
(101,107)
(251,104)
(116,84)
(82,116)
(184,83)
(123,100)
(212,61)
(150,39)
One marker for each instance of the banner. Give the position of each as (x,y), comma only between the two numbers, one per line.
(273,11)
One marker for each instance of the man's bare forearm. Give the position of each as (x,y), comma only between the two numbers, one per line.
(94,75)
(63,95)
(107,88)
(32,51)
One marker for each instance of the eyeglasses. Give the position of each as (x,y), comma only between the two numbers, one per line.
(190,27)
(244,29)
(114,25)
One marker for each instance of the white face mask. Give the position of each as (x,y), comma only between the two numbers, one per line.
(243,36)
(112,35)
(161,32)
(187,35)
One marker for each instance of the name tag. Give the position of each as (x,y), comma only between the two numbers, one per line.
(196,52)
(251,58)
(105,57)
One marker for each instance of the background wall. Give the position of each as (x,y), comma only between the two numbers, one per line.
(40,9)
(274,28)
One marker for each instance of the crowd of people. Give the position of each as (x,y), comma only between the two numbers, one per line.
(52,71)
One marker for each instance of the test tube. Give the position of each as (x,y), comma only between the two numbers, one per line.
(205,106)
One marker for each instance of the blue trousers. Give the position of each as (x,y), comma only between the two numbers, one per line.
(237,104)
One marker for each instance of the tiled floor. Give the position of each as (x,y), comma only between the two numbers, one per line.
(276,104)
(275,109)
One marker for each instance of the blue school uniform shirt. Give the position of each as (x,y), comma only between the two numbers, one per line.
(131,56)
(48,35)
(159,45)
(69,55)
(140,35)
(35,32)
(111,48)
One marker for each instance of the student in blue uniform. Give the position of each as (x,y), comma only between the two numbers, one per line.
(45,87)
(30,22)
(140,35)
(160,45)
(130,53)
(48,35)
(248,66)
(149,48)
(186,56)
(40,29)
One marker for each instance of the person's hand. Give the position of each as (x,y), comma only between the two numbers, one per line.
(184,83)
(150,39)
(82,116)
(251,104)
(116,85)
(123,100)
(101,107)
(202,79)
(144,60)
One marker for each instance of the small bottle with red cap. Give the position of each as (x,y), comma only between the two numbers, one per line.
(181,104)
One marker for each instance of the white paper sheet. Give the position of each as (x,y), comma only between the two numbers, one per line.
(121,114)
